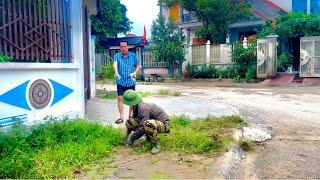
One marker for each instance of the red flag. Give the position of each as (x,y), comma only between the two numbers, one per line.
(144,36)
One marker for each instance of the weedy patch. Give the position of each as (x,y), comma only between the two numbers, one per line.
(54,149)
(209,135)
(103,94)
(247,145)
(160,175)
(168,92)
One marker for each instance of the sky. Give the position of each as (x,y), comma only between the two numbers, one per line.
(141,13)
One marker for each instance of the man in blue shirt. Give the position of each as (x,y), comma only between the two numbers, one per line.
(126,66)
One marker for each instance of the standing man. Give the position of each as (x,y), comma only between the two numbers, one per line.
(126,66)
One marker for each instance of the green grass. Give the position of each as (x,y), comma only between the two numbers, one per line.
(209,135)
(54,149)
(159,175)
(168,92)
(102,94)
(247,145)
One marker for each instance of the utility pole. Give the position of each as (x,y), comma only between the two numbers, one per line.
(160,4)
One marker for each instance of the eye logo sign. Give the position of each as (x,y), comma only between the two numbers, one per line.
(39,94)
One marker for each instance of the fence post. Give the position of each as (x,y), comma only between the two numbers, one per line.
(208,52)
(245,42)
(190,53)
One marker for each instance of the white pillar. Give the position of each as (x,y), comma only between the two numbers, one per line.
(208,51)
(245,42)
(190,53)
(308,7)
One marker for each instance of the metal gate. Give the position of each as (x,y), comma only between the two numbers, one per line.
(310,56)
(35,30)
(266,57)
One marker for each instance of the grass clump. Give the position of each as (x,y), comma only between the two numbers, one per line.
(247,145)
(103,94)
(54,149)
(164,91)
(209,135)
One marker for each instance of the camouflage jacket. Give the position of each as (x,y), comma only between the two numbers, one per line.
(146,111)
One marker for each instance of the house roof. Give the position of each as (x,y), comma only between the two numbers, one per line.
(262,10)
(266,9)
(132,41)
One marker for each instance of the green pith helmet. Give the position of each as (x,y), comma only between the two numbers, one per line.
(131,97)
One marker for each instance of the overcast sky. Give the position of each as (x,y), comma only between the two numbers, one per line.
(141,12)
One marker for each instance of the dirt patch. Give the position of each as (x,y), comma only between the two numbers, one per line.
(129,164)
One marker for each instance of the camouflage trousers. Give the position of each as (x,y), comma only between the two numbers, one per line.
(150,127)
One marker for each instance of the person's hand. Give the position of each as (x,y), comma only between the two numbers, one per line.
(133,75)
(116,75)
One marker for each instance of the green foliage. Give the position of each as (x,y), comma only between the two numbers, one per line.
(54,149)
(251,73)
(103,94)
(298,24)
(169,92)
(244,59)
(267,30)
(284,60)
(216,16)
(110,20)
(203,135)
(168,43)
(108,71)
(107,94)
(227,71)
(247,145)
(188,73)
(237,79)
(206,71)
(4,58)
(292,25)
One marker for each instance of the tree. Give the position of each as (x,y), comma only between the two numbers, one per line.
(290,28)
(168,43)
(110,20)
(216,15)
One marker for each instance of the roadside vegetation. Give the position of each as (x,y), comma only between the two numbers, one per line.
(209,136)
(61,149)
(104,94)
(54,149)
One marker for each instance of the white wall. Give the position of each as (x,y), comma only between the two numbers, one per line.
(15,74)
(68,74)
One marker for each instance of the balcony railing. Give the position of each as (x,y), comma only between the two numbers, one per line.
(190,17)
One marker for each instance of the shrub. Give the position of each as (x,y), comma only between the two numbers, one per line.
(205,71)
(284,60)
(244,58)
(108,71)
(251,73)
(54,149)
(4,58)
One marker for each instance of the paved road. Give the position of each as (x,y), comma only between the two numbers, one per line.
(290,114)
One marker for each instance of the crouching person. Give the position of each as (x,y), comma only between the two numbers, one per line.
(147,118)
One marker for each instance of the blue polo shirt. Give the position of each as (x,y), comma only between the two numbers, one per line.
(126,66)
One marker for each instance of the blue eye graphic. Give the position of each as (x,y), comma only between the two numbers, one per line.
(39,94)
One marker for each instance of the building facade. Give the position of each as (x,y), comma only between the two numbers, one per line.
(306,6)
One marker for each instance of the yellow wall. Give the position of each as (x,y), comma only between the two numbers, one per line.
(174,12)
